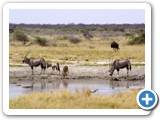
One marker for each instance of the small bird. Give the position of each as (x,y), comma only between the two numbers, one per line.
(93,91)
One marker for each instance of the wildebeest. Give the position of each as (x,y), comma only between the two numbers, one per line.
(120,64)
(115,45)
(54,67)
(34,62)
(65,71)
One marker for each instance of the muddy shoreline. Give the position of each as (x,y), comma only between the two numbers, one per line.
(75,72)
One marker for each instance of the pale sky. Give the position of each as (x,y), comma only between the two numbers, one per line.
(85,16)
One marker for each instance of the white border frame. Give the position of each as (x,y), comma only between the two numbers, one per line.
(8,6)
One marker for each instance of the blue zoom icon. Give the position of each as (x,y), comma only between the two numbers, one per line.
(147,99)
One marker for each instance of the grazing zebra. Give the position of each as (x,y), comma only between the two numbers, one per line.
(120,64)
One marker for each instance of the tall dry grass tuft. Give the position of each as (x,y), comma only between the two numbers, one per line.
(79,100)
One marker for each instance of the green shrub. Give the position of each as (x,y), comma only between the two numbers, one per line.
(140,39)
(20,36)
(74,40)
(41,41)
(65,37)
(11,30)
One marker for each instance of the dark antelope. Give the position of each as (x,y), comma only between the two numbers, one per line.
(33,62)
(65,71)
(115,45)
(120,64)
(54,67)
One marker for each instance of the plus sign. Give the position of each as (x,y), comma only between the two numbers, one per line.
(147,99)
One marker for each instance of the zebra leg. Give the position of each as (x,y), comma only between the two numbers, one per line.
(52,72)
(53,69)
(117,72)
(44,70)
(32,70)
(41,71)
(127,72)
(42,67)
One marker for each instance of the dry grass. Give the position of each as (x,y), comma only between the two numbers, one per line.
(78,100)
(87,50)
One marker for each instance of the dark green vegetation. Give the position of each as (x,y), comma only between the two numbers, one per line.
(20,36)
(46,35)
(139,39)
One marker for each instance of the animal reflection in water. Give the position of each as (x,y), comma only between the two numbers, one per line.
(117,84)
(55,84)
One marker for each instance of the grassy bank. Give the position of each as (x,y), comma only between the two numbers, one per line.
(78,100)
(84,51)
(70,42)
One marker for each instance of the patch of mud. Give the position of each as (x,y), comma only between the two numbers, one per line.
(17,74)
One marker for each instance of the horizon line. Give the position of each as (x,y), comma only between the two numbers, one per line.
(76,23)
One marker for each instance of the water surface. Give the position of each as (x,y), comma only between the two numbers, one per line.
(104,87)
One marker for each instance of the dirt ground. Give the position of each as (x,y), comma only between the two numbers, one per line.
(77,72)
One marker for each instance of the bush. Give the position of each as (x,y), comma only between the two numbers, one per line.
(74,40)
(20,36)
(65,37)
(140,39)
(44,42)
(41,41)
(11,30)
